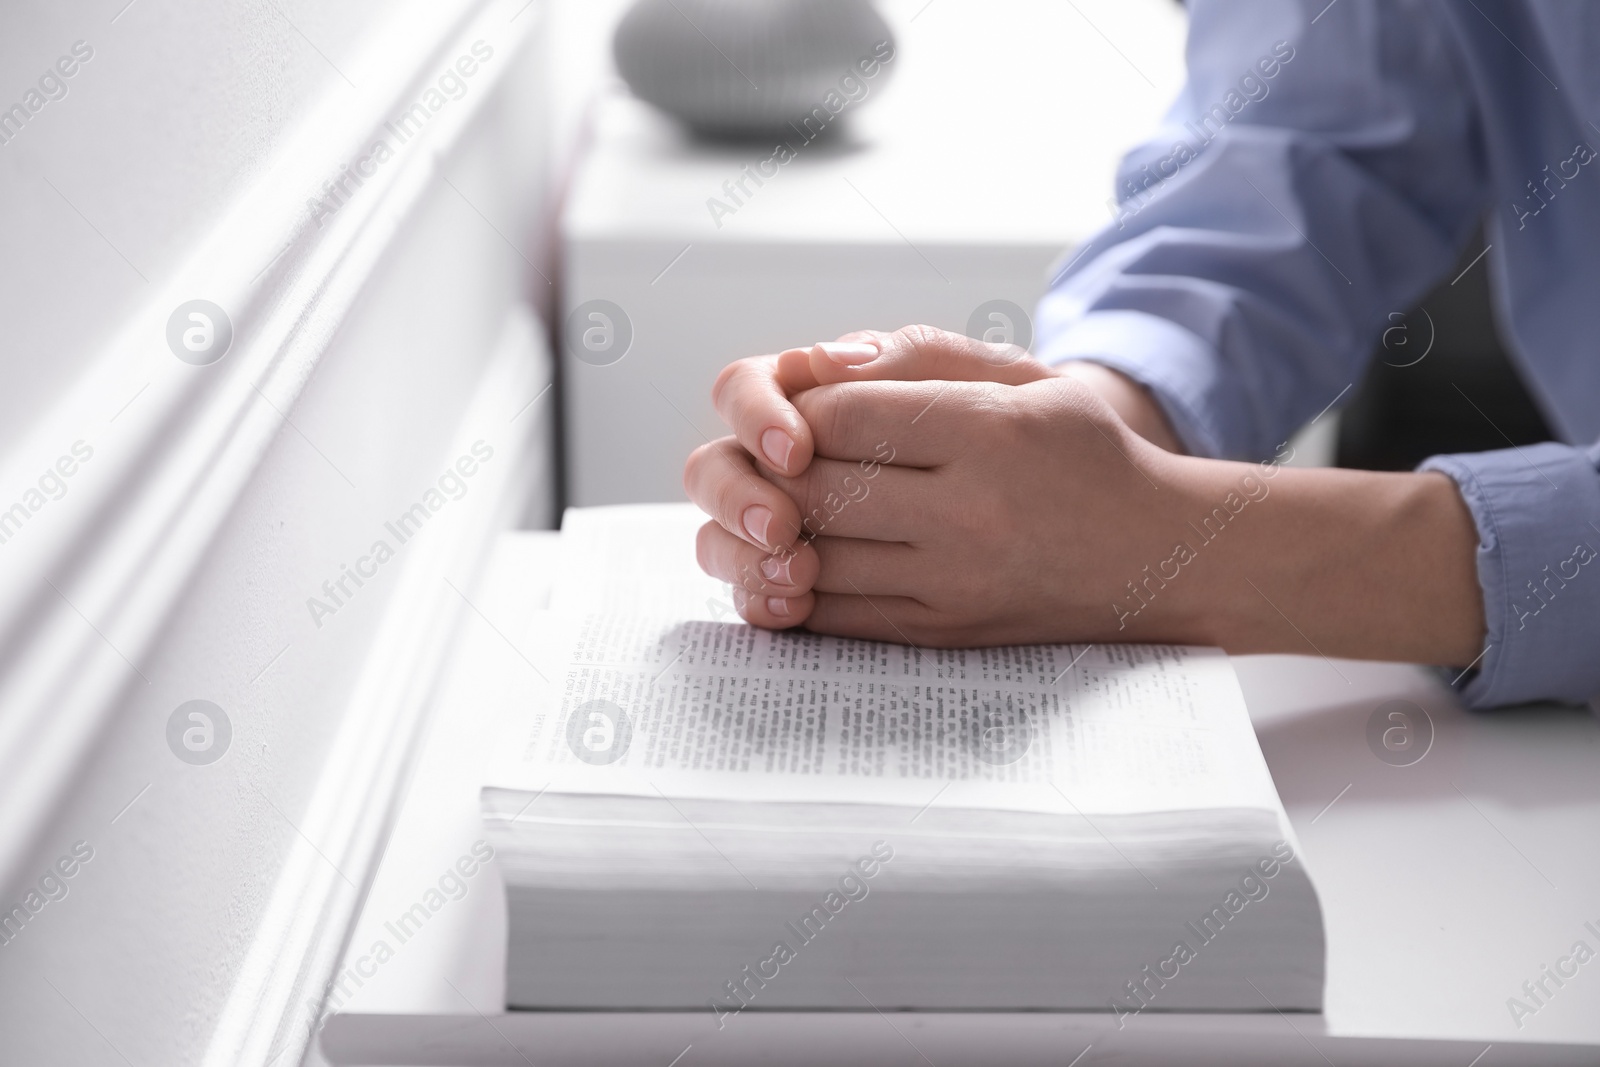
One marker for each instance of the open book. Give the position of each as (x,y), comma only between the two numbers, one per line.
(697,814)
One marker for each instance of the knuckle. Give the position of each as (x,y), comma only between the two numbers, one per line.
(800,608)
(724,376)
(694,473)
(804,567)
(709,463)
(836,420)
(738,371)
(1006,421)
(719,496)
(774,494)
(703,553)
(919,335)
(786,523)
(726,504)
(748,578)
(810,496)
(1030,368)
(936,349)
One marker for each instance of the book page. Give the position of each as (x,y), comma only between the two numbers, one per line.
(651,706)
(637,558)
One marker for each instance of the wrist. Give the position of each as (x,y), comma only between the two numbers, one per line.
(1132,402)
(1339,563)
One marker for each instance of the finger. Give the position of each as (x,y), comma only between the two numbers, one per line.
(722,481)
(895,423)
(773,612)
(752,398)
(896,619)
(860,499)
(915,353)
(854,565)
(785,573)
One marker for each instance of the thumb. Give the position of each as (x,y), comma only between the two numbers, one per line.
(912,353)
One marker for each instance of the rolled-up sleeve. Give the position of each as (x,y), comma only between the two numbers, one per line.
(1538,515)
(1260,240)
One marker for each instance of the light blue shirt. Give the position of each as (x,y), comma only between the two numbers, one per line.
(1322,169)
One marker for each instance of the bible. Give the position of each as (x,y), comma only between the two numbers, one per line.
(695,814)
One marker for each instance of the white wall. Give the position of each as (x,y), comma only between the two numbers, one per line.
(369,352)
(187,105)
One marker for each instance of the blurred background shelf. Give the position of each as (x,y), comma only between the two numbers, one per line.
(983,153)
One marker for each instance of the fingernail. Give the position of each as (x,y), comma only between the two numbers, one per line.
(776,569)
(756,520)
(779,606)
(848,353)
(778,447)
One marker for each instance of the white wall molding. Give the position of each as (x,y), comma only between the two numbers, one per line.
(274,1004)
(85,596)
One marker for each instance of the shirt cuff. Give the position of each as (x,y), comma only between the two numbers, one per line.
(1537,510)
(1176,365)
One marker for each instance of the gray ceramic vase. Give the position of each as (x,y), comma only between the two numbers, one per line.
(751,68)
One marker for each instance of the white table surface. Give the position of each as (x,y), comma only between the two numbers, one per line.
(1445,885)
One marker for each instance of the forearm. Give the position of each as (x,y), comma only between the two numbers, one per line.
(1350,564)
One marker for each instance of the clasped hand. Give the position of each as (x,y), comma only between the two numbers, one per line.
(926,488)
